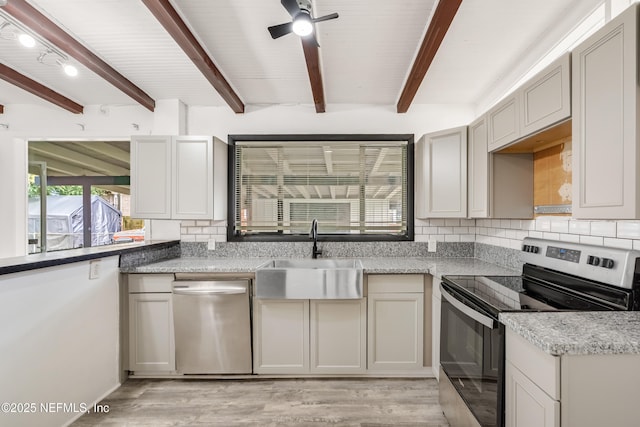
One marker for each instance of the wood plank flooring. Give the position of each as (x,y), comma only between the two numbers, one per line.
(282,402)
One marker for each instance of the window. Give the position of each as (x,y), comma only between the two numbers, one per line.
(358,187)
(79,195)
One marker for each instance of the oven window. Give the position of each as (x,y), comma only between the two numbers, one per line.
(470,356)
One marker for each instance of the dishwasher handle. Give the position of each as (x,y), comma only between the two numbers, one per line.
(208,288)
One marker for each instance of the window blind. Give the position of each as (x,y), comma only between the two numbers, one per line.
(351,187)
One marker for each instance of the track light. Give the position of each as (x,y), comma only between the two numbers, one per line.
(11,29)
(26,40)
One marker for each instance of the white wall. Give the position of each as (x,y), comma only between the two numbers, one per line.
(24,122)
(173,117)
(59,340)
(350,119)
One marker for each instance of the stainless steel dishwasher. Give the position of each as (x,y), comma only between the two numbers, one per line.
(212,324)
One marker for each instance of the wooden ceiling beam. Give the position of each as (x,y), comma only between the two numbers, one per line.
(175,26)
(40,24)
(312,57)
(442,18)
(23,82)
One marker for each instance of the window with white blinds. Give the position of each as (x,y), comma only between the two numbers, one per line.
(356,189)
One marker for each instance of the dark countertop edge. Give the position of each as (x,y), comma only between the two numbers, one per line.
(52,259)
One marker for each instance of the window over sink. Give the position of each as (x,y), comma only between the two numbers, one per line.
(358,187)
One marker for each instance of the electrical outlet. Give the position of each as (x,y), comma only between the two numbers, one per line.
(431,245)
(94,269)
(211,244)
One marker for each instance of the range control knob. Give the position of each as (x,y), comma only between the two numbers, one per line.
(607,263)
(535,249)
(525,248)
(593,260)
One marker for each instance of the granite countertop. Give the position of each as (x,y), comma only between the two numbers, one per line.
(578,333)
(52,259)
(381,265)
(200,265)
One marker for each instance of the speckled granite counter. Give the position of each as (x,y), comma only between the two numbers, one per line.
(200,265)
(130,254)
(579,333)
(382,265)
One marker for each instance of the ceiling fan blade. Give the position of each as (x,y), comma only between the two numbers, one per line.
(291,6)
(325,18)
(280,30)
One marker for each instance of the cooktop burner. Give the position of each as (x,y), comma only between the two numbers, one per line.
(502,293)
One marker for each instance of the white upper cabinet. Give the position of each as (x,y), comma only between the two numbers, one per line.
(540,103)
(478,184)
(504,122)
(192,178)
(441,174)
(546,99)
(605,122)
(178,177)
(151,177)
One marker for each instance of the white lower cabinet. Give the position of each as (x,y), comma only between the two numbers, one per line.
(528,405)
(281,336)
(583,390)
(395,322)
(151,336)
(338,336)
(303,337)
(435,332)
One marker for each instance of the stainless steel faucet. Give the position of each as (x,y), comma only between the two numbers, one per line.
(314,235)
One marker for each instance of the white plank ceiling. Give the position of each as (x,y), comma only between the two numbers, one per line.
(365,55)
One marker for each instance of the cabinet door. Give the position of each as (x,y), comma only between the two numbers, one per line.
(151,177)
(478,169)
(526,405)
(546,99)
(151,338)
(338,336)
(435,332)
(504,123)
(605,117)
(281,336)
(192,182)
(395,331)
(444,170)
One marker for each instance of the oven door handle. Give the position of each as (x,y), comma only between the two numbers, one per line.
(468,311)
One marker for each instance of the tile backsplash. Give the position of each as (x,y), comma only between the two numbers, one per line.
(507,233)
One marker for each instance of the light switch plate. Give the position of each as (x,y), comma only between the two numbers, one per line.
(432,245)
(211,244)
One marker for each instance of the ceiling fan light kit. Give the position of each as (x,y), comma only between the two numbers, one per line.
(302,25)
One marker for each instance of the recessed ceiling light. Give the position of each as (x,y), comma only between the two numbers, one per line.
(26,40)
(70,70)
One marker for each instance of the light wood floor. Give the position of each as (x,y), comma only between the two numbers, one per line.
(295,402)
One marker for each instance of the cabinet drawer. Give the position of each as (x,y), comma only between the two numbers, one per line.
(140,283)
(396,283)
(541,368)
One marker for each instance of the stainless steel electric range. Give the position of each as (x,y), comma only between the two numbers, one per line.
(555,276)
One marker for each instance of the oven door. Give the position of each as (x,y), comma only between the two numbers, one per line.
(472,355)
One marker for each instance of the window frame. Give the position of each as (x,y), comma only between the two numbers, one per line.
(274,237)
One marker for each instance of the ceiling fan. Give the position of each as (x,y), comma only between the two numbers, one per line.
(302,22)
